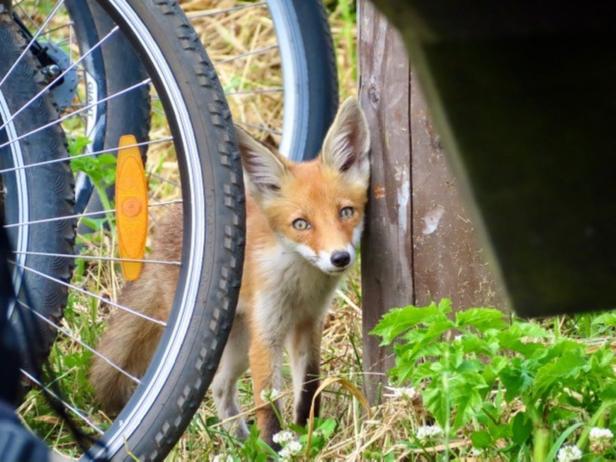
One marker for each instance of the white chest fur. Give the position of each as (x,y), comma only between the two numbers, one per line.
(291,291)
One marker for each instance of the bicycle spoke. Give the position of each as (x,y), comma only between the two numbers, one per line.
(203,14)
(162,178)
(79,341)
(256,52)
(256,91)
(90,294)
(100,257)
(86,214)
(78,111)
(57,28)
(89,154)
(32,41)
(73,409)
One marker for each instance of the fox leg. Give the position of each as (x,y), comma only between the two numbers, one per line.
(233,364)
(265,363)
(304,346)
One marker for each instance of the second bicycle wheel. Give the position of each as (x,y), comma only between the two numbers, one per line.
(276,63)
(192,160)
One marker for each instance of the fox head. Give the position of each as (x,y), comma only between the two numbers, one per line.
(315,208)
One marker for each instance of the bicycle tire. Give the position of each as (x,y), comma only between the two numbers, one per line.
(172,388)
(23,201)
(309,75)
(110,68)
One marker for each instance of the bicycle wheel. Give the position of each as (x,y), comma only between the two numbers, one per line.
(196,163)
(22,201)
(276,63)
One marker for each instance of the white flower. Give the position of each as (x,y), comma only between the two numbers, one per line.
(600,439)
(428,432)
(294,447)
(569,454)
(283,437)
(270,395)
(457,338)
(597,433)
(475,452)
(402,392)
(285,453)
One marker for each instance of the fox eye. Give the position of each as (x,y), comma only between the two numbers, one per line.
(346,212)
(300,224)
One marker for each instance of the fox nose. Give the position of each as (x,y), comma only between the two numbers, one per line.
(340,258)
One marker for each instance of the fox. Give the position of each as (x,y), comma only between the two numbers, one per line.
(304,222)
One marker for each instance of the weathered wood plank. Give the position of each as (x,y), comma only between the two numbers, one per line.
(387,258)
(448,260)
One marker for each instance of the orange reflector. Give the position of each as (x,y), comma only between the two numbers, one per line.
(131,194)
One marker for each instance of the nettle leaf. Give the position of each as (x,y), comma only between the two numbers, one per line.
(481,439)
(426,345)
(466,396)
(567,366)
(398,320)
(437,327)
(481,319)
(445,306)
(521,428)
(496,365)
(601,363)
(527,339)
(516,378)
(437,403)
(489,416)
(608,393)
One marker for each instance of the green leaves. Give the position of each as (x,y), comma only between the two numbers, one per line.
(400,320)
(100,169)
(521,428)
(560,368)
(497,381)
(481,319)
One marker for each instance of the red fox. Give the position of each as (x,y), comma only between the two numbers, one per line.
(304,221)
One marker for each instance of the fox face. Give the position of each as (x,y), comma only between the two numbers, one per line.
(315,208)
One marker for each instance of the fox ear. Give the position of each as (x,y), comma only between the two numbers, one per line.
(264,168)
(347,144)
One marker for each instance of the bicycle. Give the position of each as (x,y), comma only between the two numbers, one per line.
(151,429)
(209,172)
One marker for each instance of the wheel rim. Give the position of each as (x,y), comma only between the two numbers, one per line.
(22,198)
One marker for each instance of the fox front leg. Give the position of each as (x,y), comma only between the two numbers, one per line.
(265,364)
(304,345)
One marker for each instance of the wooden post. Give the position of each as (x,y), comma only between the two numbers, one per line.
(387,256)
(419,244)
